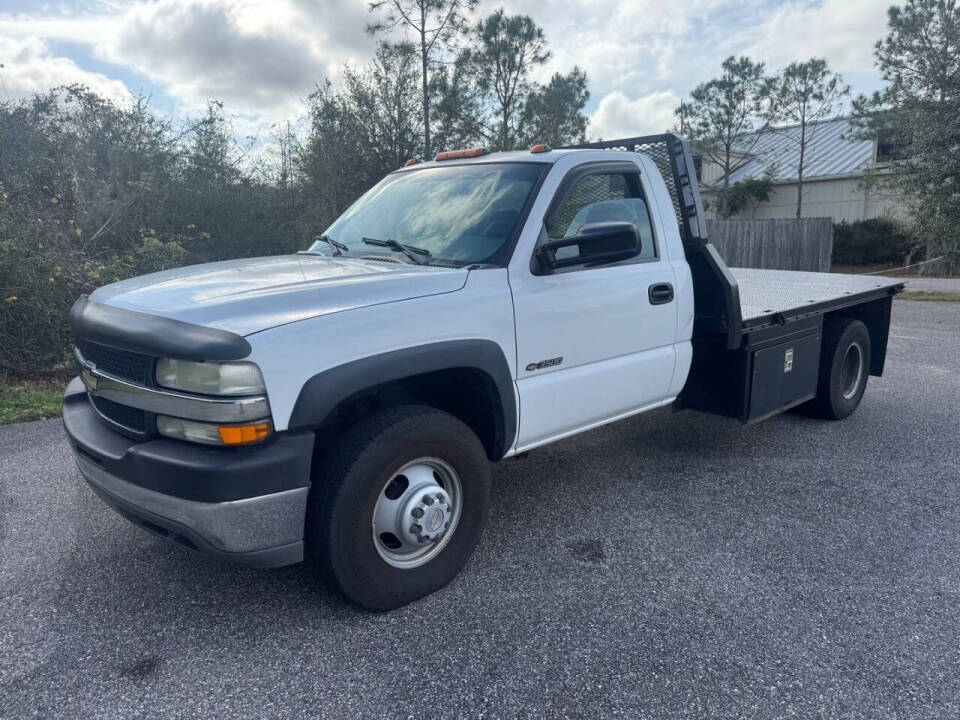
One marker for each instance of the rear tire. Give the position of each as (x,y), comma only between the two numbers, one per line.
(844,369)
(380,567)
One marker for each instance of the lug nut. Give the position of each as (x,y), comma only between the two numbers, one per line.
(427,500)
(417,512)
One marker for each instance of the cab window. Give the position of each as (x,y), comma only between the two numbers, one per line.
(602,197)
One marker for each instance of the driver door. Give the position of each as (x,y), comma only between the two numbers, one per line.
(594,343)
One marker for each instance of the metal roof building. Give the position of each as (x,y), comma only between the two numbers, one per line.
(833,150)
(835,162)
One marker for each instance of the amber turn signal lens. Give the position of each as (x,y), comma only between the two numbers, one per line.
(455,154)
(242,434)
(540,148)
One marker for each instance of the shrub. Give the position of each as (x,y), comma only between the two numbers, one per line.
(92,193)
(875,241)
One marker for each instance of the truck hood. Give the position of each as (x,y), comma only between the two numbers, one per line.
(246,296)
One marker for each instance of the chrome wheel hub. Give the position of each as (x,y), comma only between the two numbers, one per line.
(426,515)
(417,512)
(851,369)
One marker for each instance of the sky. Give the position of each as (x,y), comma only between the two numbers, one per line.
(261,58)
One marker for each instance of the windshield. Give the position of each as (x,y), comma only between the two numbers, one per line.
(461,213)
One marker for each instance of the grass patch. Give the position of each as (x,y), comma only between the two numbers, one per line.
(24,400)
(929,295)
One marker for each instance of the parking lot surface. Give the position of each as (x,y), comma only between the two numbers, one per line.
(668,566)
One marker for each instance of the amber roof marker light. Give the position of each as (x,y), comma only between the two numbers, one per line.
(540,148)
(457,154)
(411,161)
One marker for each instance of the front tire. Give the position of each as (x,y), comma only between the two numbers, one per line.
(844,369)
(399,506)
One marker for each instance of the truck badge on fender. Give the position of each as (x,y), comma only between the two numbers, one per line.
(552,362)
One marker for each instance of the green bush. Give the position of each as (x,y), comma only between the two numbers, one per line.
(868,242)
(92,193)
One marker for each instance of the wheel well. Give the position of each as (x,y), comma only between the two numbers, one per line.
(876,316)
(468,394)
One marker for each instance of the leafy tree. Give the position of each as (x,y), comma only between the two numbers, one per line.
(503,52)
(384,99)
(81,181)
(212,156)
(806,92)
(919,111)
(876,240)
(748,193)
(359,134)
(277,170)
(726,117)
(92,192)
(333,145)
(456,104)
(553,114)
(434,24)
(488,96)
(217,195)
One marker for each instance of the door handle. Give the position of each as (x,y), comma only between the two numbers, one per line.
(660,293)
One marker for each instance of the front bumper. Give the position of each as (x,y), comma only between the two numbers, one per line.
(244,504)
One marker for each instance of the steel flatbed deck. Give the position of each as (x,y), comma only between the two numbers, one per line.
(773,297)
(757,334)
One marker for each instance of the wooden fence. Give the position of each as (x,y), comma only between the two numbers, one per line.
(805,244)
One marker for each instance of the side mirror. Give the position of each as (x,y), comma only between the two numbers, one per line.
(599,244)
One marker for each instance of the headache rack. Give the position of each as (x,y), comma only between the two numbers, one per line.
(716,295)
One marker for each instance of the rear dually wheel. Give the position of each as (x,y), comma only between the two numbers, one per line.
(844,368)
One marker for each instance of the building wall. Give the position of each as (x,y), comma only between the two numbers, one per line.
(712,172)
(840,199)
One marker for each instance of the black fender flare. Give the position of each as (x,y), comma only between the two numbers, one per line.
(323,392)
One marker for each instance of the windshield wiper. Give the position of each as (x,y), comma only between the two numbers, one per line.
(336,246)
(411,251)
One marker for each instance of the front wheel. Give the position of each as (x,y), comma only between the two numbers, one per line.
(844,369)
(399,506)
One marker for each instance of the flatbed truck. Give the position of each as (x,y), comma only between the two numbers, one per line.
(343,404)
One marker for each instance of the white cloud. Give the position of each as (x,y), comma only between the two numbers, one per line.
(29,67)
(843,31)
(634,46)
(259,58)
(617,116)
(652,53)
(262,57)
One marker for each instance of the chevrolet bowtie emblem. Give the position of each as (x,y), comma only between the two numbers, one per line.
(89,380)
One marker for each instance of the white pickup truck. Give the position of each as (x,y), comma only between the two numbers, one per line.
(344,403)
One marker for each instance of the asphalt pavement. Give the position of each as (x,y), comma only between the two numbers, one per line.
(932,284)
(668,566)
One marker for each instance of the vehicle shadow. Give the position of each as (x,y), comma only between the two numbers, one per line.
(645,461)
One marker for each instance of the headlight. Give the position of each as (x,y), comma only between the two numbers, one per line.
(232,378)
(210,434)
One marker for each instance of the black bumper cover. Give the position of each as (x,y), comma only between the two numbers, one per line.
(179,469)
